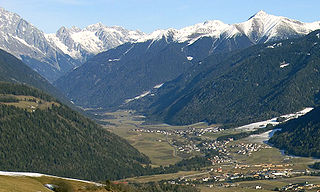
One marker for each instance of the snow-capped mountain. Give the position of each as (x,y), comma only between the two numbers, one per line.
(29,44)
(260,28)
(191,34)
(81,43)
(53,55)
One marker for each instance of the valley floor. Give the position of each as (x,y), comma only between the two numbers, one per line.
(247,164)
(241,165)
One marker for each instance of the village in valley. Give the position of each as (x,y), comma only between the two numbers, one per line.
(233,162)
(226,167)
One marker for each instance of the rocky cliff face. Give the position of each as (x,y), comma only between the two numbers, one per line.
(29,44)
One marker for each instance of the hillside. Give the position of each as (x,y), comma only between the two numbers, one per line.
(300,136)
(15,71)
(250,85)
(39,134)
(110,78)
(30,182)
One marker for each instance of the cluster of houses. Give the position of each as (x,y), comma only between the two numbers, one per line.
(188,131)
(225,149)
(248,148)
(183,147)
(300,187)
(188,148)
(217,177)
(222,147)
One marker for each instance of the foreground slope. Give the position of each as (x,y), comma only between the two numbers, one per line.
(300,136)
(39,134)
(250,85)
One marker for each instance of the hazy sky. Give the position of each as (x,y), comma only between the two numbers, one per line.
(149,15)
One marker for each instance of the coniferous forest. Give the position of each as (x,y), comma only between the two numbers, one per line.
(62,142)
(300,136)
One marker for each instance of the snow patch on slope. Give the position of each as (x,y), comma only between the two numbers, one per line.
(263,137)
(284,64)
(138,97)
(158,86)
(56,41)
(190,58)
(273,121)
(144,94)
(113,60)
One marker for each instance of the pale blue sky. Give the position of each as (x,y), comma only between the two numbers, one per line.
(149,15)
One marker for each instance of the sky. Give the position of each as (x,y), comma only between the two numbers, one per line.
(150,15)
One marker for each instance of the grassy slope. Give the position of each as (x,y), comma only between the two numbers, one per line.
(32,184)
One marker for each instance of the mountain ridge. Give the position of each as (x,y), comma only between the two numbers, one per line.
(91,40)
(51,58)
(29,44)
(53,55)
(15,71)
(216,28)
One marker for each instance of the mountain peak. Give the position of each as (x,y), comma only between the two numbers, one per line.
(259,14)
(6,16)
(95,26)
(75,29)
(3,10)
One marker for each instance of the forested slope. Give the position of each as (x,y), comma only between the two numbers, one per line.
(53,139)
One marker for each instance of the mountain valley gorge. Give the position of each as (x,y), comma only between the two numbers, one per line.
(211,106)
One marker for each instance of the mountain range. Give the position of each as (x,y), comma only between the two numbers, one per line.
(138,65)
(132,70)
(52,55)
(80,44)
(248,85)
